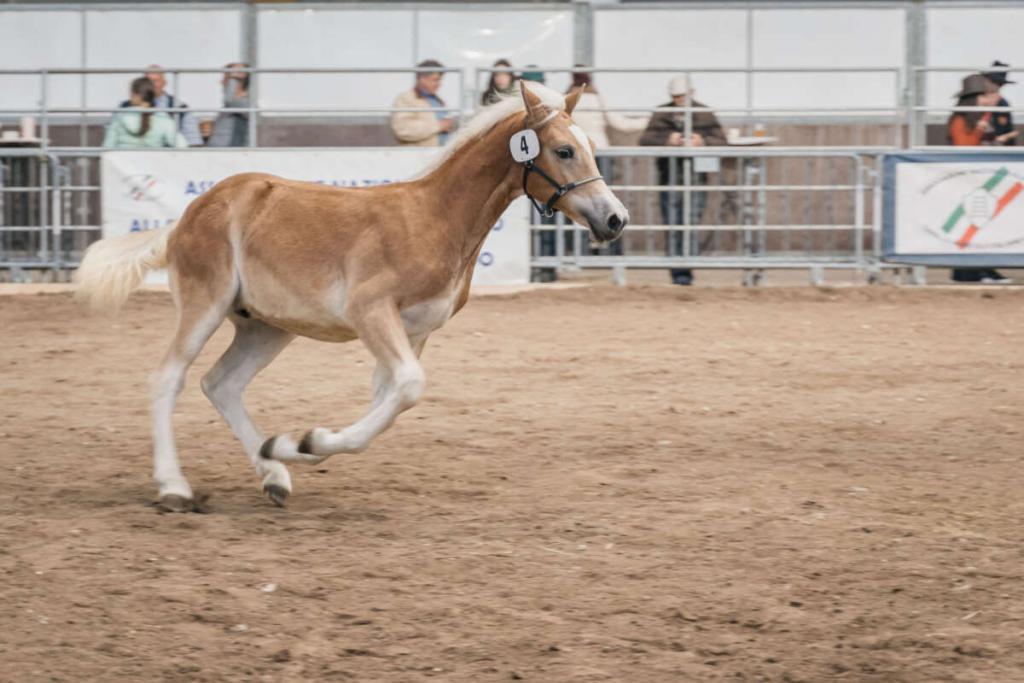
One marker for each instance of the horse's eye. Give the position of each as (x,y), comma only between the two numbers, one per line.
(565,152)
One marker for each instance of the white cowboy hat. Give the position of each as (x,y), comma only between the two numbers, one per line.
(677,86)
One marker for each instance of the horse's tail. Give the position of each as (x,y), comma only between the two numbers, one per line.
(113,268)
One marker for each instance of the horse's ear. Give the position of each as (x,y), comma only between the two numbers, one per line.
(534,107)
(572,99)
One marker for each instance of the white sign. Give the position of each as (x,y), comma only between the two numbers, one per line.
(957,209)
(146,189)
(524,145)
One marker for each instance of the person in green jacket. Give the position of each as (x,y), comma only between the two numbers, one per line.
(137,128)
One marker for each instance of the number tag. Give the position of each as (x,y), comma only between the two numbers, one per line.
(524,145)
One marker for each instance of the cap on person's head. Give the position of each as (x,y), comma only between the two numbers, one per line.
(999,77)
(976,84)
(677,86)
(532,74)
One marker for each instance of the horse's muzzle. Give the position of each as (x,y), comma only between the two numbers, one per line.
(610,228)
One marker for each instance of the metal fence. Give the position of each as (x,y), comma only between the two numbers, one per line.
(750,209)
(725,207)
(47,216)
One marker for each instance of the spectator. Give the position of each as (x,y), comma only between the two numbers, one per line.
(138,126)
(185,121)
(1003,132)
(969,128)
(666,129)
(430,126)
(501,85)
(231,129)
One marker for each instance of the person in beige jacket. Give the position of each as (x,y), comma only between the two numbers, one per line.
(431,126)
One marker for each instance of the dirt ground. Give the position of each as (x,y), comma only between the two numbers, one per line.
(645,484)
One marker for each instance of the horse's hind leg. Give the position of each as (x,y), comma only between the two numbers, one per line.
(255,345)
(199,316)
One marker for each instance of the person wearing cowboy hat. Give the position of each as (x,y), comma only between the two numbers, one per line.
(667,129)
(971,128)
(1002,121)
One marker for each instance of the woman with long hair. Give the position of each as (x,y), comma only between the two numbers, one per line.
(138,126)
(500,85)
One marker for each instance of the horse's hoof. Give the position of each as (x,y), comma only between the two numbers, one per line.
(306,445)
(278,494)
(175,503)
(267,449)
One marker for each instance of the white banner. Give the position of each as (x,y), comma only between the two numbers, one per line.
(959,209)
(146,189)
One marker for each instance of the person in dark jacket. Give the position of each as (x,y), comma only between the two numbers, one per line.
(667,129)
(1003,132)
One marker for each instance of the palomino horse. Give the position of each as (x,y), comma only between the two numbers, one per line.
(387,265)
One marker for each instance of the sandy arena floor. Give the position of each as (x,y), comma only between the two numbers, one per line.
(638,485)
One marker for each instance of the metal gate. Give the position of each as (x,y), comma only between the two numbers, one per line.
(751,209)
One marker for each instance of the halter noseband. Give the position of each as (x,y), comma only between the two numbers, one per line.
(548,210)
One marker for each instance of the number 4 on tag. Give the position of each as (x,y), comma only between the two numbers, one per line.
(524,145)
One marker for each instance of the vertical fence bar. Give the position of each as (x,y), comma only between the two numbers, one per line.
(898,110)
(44,208)
(858,213)
(44,104)
(748,119)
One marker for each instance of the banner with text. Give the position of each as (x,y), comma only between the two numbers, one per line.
(146,189)
(954,209)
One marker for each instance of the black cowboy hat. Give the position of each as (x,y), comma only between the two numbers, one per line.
(999,77)
(976,84)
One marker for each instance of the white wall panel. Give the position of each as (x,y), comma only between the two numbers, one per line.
(177,38)
(479,38)
(973,36)
(39,40)
(334,38)
(670,39)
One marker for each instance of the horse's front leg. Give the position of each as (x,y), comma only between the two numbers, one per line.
(398,382)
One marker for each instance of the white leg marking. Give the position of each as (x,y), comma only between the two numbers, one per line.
(167,383)
(255,345)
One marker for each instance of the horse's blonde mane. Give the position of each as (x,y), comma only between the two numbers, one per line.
(488,117)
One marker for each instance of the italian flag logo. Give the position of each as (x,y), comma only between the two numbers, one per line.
(981,206)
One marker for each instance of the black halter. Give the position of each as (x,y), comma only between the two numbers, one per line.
(548,210)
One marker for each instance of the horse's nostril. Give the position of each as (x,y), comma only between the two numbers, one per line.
(615,223)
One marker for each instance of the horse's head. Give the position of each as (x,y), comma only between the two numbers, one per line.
(564,174)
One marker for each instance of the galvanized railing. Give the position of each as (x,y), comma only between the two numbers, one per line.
(738,208)
(893,115)
(47,112)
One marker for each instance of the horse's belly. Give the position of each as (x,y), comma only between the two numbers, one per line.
(319,315)
(313,330)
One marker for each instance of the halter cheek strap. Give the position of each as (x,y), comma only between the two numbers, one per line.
(548,210)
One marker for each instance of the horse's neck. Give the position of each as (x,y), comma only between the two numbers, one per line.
(475,186)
